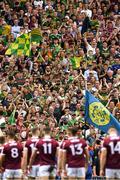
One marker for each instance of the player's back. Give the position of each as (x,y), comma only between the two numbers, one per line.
(30,145)
(112,144)
(75,149)
(47,148)
(13,154)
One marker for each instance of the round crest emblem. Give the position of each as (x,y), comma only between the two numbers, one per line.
(99,114)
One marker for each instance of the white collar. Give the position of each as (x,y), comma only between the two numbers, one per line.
(47,137)
(73,137)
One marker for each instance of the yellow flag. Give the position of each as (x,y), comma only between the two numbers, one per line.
(6,30)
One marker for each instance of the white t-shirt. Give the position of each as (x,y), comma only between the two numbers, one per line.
(88,12)
(86,74)
(15,30)
(90,48)
(38,3)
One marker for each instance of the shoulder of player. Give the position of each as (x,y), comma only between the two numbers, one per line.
(84,142)
(54,141)
(5,144)
(76,139)
(9,145)
(19,144)
(107,140)
(66,142)
(28,142)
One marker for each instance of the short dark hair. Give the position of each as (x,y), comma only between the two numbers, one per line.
(34,130)
(2,139)
(11,133)
(73,130)
(47,130)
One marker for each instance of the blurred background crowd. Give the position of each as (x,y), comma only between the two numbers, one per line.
(80,48)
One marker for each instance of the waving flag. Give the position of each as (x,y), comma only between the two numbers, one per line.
(20,46)
(36,35)
(97,114)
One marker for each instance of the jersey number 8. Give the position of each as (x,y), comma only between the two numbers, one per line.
(14,153)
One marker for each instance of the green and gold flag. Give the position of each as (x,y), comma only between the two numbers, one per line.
(36,35)
(76,61)
(20,46)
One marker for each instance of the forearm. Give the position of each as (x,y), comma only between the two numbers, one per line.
(63,164)
(103,160)
(94,170)
(59,163)
(32,159)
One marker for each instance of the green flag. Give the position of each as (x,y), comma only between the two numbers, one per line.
(36,35)
(21,46)
(11,119)
(76,61)
(71,122)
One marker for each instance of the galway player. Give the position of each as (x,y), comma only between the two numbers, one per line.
(29,146)
(110,155)
(11,157)
(2,141)
(75,155)
(47,148)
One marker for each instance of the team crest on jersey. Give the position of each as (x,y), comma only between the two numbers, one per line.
(99,114)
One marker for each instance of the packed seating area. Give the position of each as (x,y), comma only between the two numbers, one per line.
(78,49)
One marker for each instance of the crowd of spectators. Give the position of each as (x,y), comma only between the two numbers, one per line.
(80,49)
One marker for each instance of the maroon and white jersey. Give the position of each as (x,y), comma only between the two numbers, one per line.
(112,145)
(30,145)
(13,154)
(47,148)
(75,149)
(1,149)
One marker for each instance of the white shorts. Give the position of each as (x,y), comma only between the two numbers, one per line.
(112,173)
(45,171)
(34,172)
(76,172)
(1,175)
(9,173)
(4,176)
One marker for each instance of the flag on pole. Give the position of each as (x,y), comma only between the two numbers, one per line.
(20,46)
(97,114)
(11,119)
